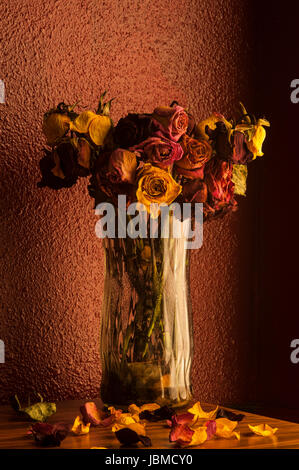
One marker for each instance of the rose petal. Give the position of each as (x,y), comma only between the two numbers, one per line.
(91,414)
(263,430)
(181,433)
(49,435)
(222,413)
(157,415)
(184,418)
(129,435)
(200,413)
(150,407)
(211,426)
(225,428)
(199,437)
(79,428)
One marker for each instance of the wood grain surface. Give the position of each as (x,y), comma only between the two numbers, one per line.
(13,432)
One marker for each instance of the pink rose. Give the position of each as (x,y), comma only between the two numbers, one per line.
(171,121)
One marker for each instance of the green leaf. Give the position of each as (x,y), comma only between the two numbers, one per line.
(239,179)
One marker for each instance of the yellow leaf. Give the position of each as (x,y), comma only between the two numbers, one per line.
(99,128)
(98,447)
(82,122)
(79,428)
(225,428)
(200,413)
(263,430)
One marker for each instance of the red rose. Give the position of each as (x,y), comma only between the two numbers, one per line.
(160,151)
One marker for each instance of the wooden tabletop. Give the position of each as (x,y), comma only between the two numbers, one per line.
(13,432)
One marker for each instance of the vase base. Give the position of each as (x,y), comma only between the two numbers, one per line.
(150,396)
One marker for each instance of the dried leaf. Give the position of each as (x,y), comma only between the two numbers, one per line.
(38,412)
(263,430)
(239,178)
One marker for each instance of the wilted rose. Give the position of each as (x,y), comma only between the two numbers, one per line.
(55,126)
(108,179)
(133,129)
(160,151)
(122,166)
(220,141)
(60,168)
(218,178)
(195,190)
(156,186)
(173,121)
(196,154)
(241,154)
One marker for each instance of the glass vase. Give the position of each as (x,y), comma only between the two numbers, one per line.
(146,330)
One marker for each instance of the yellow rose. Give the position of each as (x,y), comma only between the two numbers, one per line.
(96,125)
(200,128)
(55,125)
(156,186)
(257,138)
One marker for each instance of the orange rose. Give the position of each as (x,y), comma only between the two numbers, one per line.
(196,154)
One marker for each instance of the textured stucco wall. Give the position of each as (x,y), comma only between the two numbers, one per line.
(145,53)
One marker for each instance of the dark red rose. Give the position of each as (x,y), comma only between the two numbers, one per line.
(219,139)
(60,167)
(241,154)
(132,129)
(107,184)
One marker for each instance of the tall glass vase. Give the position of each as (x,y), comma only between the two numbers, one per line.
(146,330)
